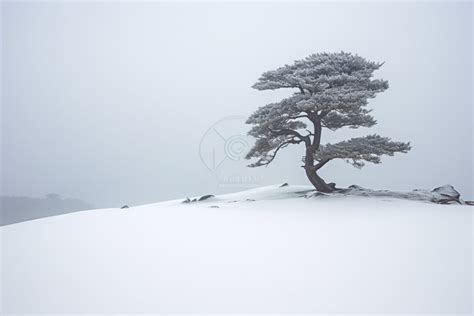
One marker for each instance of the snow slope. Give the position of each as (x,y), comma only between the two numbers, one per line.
(265,250)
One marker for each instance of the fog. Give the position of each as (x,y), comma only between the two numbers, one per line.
(134,103)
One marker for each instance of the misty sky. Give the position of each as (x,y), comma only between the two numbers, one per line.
(133,103)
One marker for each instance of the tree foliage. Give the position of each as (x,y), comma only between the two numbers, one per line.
(357,150)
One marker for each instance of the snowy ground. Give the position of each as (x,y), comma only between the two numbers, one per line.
(265,250)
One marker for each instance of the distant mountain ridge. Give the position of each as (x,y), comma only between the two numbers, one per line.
(15,209)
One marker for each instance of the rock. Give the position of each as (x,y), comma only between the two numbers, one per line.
(469,202)
(284,185)
(250,200)
(445,194)
(447,190)
(350,189)
(125,206)
(202,198)
(214,206)
(205,197)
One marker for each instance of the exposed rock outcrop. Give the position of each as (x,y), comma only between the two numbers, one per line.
(200,199)
(445,194)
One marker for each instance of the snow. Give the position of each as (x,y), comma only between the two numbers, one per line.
(265,250)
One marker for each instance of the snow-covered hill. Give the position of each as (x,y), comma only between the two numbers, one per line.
(264,250)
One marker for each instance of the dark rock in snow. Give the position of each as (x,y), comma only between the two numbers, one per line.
(205,197)
(214,206)
(442,195)
(446,194)
(447,190)
(284,185)
(125,206)
(202,198)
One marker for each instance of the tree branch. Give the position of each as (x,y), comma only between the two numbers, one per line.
(356,150)
(321,164)
(282,145)
(286,131)
(324,113)
(329,128)
(297,117)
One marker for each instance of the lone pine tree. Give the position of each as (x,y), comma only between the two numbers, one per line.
(332,91)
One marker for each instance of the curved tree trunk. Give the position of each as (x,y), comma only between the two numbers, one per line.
(311,172)
(317,181)
(309,166)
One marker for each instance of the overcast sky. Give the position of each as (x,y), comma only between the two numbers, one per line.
(133,103)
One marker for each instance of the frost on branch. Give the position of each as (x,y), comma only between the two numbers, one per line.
(265,149)
(355,119)
(328,81)
(357,150)
(276,126)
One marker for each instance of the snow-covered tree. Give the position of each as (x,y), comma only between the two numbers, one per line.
(332,91)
